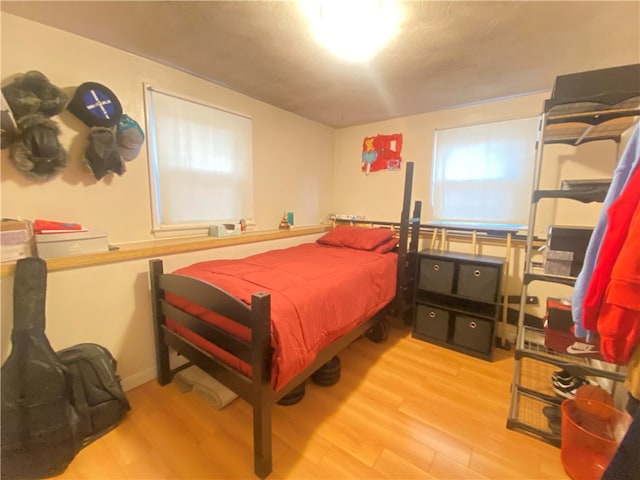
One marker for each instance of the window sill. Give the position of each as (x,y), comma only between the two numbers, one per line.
(162,247)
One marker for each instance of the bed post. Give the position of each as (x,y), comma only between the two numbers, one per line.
(404,223)
(261,381)
(403,274)
(412,261)
(162,351)
(415,227)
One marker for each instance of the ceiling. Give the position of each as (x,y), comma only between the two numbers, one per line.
(448,53)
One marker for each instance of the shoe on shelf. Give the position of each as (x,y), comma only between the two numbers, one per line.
(554,418)
(565,379)
(567,383)
(580,348)
(552,412)
(561,375)
(568,389)
(555,427)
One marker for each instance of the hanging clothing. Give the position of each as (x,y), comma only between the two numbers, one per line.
(619,215)
(632,382)
(619,318)
(628,163)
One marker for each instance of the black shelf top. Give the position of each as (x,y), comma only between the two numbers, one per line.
(584,196)
(467,257)
(607,87)
(531,277)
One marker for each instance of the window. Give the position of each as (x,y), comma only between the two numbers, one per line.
(482,174)
(200,164)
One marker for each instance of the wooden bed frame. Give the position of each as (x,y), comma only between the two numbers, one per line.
(257,352)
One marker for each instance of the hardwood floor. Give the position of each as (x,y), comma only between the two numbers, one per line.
(402,409)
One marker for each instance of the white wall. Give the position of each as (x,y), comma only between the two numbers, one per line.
(110,304)
(293,169)
(379,194)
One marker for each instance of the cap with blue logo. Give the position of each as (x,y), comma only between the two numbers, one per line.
(95,105)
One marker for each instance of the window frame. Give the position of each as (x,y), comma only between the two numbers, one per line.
(160,229)
(493,225)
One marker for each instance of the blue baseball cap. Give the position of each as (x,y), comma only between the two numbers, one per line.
(95,105)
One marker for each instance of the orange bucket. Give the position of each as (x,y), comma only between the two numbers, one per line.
(591,434)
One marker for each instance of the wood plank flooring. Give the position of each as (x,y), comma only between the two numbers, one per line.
(403,409)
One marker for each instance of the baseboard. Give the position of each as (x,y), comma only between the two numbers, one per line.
(137,379)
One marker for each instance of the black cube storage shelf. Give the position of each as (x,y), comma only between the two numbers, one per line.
(458,300)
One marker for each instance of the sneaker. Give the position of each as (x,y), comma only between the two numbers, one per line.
(554,418)
(561,374)
(553,413)
(555,427)
(580,348)
(569,390)
(564,383)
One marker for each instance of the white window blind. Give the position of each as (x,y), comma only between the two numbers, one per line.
(200,163)
(482,174)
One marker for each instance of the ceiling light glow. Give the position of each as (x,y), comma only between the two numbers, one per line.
(354,30)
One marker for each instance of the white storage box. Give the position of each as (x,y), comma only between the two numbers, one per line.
(50,245)
(15,240)
(11,253)
(225,230)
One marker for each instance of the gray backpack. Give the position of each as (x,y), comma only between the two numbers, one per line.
(97,395)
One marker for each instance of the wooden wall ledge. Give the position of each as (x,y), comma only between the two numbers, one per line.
(172,246)
(167,246)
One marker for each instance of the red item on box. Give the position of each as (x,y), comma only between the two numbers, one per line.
(559,332)
(568,344)
(40,226)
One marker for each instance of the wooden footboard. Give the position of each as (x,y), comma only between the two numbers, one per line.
(257,352)
(255,389)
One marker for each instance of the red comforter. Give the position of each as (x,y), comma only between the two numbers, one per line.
(318,293)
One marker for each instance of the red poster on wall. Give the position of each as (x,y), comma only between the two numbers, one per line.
(381,152)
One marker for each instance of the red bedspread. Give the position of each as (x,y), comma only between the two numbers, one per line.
(318,293)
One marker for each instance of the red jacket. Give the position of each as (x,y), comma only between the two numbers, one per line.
(619,217)
(619,319)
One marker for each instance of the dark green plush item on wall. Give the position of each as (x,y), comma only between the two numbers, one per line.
(33,93)
(37,152)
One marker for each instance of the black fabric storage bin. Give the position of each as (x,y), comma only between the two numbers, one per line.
(473,333)
(432,322)
(436,275)
(478,281)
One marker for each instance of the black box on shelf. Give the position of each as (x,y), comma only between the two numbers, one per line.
(432,322)
(566,249)
(474,333)
(559,316)
(478,281)
(436,274)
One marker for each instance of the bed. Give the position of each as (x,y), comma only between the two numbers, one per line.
(263,324)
